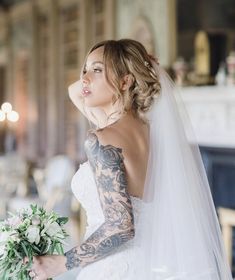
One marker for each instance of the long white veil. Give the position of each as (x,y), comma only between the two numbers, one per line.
(178,231)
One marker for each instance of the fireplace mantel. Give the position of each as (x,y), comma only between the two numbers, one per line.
(212,113)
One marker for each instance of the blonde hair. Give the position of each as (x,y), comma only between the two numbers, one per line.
(126,56)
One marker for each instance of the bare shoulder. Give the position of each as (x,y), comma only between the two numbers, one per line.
(104,154)
(128,136)
(104,138)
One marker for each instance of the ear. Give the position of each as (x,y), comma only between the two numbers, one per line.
(127,82)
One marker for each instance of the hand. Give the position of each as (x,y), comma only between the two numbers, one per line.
(48,266)
(75,90)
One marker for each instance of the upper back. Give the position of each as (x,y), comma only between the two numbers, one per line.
(131,135)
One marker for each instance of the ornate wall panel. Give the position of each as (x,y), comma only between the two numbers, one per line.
(160,17)
(70,44)
(21,38)
(43,54)
(3,55)
(48,40)
(44,29)
(102,20)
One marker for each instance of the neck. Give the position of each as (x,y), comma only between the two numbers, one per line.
(112,113)
(117,117)
(113,116)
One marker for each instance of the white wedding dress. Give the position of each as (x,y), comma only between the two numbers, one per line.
(120,265)
(177,234)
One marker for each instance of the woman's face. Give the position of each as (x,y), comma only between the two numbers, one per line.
(97,92)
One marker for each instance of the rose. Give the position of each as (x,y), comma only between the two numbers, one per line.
(33,234)
(2,249)
(15,237)
(4,236)
(121,179)
(14,221)
(8,236)
(110,158)
(53,229)
(36,220)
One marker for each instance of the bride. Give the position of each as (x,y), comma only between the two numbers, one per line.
(149,209)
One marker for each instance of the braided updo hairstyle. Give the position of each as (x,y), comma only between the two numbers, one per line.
(124,57)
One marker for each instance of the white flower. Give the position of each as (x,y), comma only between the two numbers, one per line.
(25,212)
(14,221)
(15,237)
(33,234)
(53,229)
(36,220)
(28,211)
(2,250)
(4,236)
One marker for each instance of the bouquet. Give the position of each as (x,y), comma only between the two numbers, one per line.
(30,232)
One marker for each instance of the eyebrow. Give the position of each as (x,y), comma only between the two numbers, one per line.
(95,62)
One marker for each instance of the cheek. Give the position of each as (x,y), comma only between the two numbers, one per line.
(102,93)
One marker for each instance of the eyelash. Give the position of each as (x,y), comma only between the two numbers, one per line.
(96,70)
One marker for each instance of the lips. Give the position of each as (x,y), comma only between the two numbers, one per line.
(86,92)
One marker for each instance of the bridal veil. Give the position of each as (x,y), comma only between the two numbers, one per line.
(178,233)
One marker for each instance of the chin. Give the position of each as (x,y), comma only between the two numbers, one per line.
(91,103)
(95,103)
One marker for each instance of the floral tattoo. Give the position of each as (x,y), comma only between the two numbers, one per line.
(108,167)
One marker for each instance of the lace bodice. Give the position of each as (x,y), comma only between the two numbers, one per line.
(85,190)
(121,264)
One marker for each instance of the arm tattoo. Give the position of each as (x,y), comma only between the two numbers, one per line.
(110,176)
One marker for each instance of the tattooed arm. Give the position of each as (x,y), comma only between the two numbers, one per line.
(110,176)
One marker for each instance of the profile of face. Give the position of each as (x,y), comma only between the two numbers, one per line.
(96,90)
(117,78)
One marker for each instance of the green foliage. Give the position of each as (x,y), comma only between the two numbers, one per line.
(30,232)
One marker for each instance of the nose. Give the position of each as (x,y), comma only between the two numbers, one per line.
(85,79)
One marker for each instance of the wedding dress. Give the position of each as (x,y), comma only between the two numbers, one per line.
(120,264)
(177,234)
